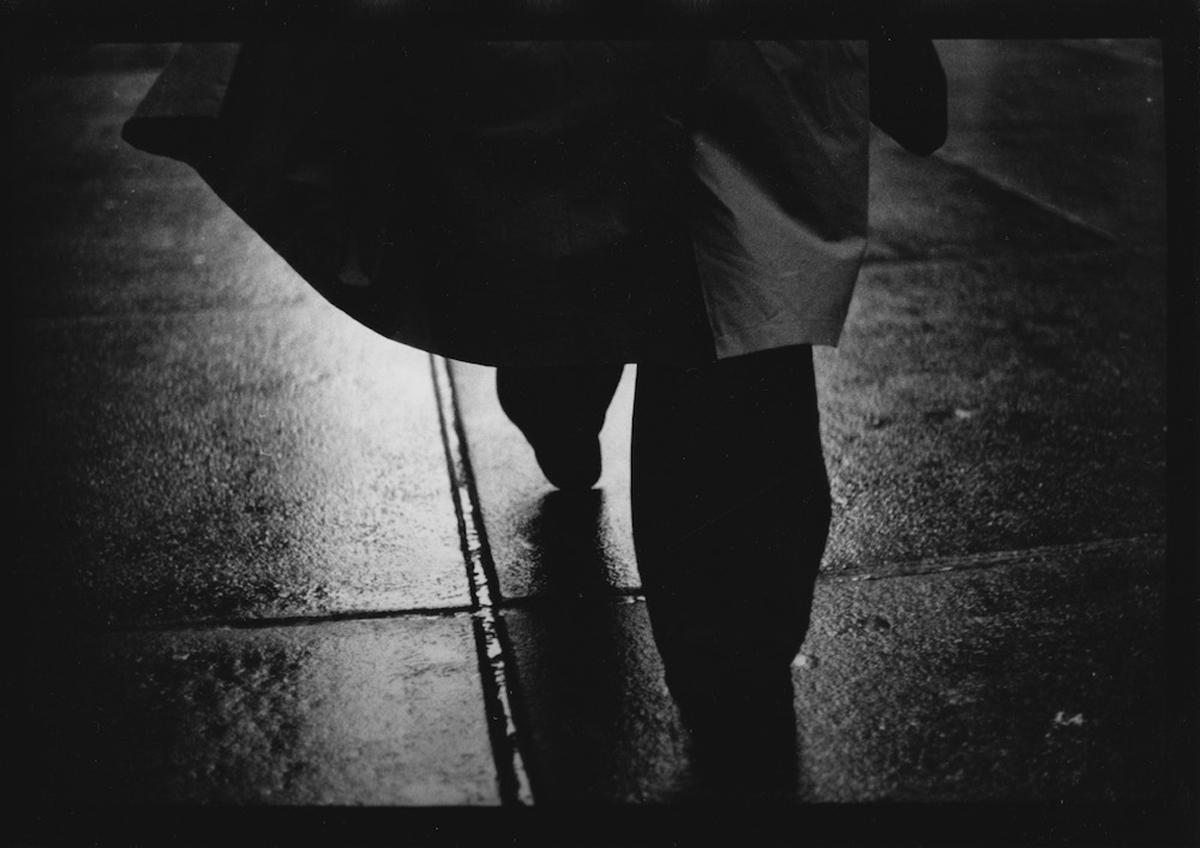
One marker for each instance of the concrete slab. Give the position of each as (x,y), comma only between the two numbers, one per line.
(1036,681)
(994,406)
(1077,124)
(347,713)
(1048,425)
(223,465)
(535,532)
(925,208)
(106,229)
(204,436)
(68,119)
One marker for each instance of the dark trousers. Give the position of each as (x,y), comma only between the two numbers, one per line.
(730,509)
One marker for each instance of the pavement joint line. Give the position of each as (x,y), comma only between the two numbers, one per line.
(485,616)
(617,594)
(1045,205)
(1128,57)
(975,260)
(491,639)
(1155,542)
(268,622)
(992,559)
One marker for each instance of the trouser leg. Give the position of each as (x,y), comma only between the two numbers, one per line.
(730,516)
(560,411)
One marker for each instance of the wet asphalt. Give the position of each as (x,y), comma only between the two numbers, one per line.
(250,534)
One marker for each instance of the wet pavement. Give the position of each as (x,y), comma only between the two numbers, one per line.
(270,558)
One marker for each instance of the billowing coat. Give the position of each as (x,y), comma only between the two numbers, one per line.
(523,203)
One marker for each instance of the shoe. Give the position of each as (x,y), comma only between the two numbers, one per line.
(570,463)
(560,411)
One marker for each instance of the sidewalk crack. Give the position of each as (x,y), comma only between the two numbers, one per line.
(1155,543)
(491,639)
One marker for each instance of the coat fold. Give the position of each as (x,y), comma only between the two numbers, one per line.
(542,203)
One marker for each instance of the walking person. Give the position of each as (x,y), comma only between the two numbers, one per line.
(560,210)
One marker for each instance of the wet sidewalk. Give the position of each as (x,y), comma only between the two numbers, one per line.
(268,558)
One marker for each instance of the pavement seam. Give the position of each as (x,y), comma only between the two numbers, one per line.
(1147,543)
(1042,204)
(491,639)
(992,559)
(267,622)
(613,595)
(985,260)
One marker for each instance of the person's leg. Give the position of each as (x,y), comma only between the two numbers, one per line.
(560,411)
(730,516)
